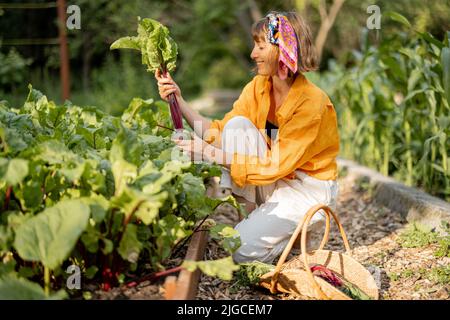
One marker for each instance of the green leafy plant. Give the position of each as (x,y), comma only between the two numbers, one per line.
(158,51)
(444,241)
(393,106)
(222,268)
(416,236)
(12,68)
(112,195)
(251,272)
(153,41)
(440,275)
(227,236)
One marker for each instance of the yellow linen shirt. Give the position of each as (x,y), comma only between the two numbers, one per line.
(307,139)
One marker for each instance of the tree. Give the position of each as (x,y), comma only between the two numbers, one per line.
(327,19)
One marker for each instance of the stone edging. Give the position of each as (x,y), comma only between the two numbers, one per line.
(411,203)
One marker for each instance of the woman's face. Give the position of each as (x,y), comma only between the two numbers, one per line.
(262,53)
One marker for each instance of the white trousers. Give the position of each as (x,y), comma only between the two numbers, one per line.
(280,205)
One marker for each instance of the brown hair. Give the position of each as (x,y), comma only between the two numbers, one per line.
(307,57)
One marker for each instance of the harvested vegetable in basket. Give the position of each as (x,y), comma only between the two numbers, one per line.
(159,51)
(339,282)
(250,272)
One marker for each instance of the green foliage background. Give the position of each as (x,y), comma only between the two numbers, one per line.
(213,37)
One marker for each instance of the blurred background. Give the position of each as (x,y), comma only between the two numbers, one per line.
(389,82)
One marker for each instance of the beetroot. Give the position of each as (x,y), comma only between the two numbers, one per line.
(175,110)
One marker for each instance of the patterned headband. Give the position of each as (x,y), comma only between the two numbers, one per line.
(282,34)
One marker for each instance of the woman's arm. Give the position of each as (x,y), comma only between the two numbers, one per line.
(198,149)
(196,121)
(167,86)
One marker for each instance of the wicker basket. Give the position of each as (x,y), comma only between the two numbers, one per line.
(295,276)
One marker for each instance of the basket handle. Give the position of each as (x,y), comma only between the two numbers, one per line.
(308,217)
(302,227)
(290,244)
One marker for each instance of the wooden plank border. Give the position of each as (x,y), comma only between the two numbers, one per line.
(187,282)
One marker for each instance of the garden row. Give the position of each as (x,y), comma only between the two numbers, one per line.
(112,197)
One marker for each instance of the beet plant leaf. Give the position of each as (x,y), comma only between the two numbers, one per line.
(77,184)
(221,268)
(158,51)
(156,46)
(13,171)
(227,236)
(50,236)
(130,246)
(16,288)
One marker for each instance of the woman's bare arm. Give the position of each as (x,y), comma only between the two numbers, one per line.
(167,86)
(196,121)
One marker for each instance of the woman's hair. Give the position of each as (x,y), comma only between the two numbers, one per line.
(307,58)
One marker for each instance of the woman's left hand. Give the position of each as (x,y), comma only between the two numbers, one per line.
(199,150)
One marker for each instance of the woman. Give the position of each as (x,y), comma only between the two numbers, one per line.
(278,145)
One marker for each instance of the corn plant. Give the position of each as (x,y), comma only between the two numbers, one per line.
(393,108)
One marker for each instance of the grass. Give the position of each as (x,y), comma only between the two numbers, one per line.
(363,184)
(342,172)
(417,236)
(438,275)
(390,121)
(405,274)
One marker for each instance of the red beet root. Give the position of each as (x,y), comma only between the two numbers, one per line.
(175,110)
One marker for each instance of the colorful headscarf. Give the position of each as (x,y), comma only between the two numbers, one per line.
(282,34)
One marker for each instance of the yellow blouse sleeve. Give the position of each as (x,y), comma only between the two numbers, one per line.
(294,147)
(241,107)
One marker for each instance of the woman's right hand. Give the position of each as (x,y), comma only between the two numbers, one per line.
(166,86)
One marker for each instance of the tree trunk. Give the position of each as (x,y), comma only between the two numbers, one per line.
(255,12)
(86,69)
(246,25)
(327,21)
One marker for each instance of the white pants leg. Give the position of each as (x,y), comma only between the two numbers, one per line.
(283,204)
(240,135)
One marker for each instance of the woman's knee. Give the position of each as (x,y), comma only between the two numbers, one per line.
(263,236)
(238,122)
(241,136)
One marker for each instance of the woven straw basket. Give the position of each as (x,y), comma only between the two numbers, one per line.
(295,276)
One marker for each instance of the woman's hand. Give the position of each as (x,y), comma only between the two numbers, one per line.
(166,86)
(199,150)
(193,148)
